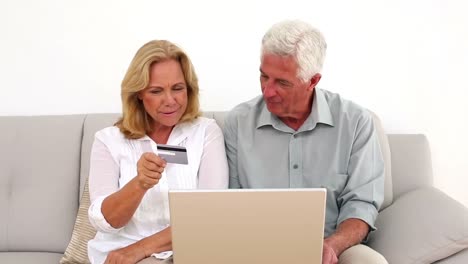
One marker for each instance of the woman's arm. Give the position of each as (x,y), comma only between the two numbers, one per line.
(112,207)
(133,253)
(119,207)
(213,172)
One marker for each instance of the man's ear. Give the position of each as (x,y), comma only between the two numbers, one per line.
(314,81)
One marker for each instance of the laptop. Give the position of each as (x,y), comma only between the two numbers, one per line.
(247,226)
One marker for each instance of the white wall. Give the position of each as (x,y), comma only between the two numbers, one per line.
(403,59)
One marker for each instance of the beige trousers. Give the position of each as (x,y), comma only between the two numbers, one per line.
(361,254)
(353,255)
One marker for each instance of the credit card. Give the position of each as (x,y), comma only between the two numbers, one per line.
(173,154)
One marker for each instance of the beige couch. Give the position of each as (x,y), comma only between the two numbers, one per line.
(44,161)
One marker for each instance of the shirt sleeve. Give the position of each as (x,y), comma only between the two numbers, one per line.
(213,171)
(230,138)
(103,181)
(364,191)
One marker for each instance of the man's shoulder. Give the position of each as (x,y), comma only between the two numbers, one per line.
(243,115)
(246,108)
(342,107)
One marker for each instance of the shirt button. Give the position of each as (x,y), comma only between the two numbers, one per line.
(295,166)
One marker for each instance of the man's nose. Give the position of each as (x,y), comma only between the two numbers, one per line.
(269,90)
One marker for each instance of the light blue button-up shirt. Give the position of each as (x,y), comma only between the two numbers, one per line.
(336,148)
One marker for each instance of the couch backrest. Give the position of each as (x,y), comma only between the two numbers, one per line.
(43,157)
(94,122)
(39,175)
(407,156)
(411,162)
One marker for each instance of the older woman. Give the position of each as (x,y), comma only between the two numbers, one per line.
(128,181)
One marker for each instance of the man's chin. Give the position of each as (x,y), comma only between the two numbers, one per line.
(273,108)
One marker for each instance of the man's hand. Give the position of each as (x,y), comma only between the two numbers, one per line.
(328,255)
(127,255)
(349,233)
(150,167)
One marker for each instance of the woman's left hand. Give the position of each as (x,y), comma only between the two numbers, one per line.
(127,255)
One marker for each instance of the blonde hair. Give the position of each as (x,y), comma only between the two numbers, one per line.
(134,122)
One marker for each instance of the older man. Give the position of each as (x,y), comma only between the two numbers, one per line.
(298,136)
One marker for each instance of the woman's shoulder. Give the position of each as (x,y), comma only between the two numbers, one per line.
(204,121)
(200,122)
(199,126)
(110,133)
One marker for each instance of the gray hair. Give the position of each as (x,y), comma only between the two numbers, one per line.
(300,40)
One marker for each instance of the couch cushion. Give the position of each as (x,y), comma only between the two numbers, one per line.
(422,226)
(411,163)
(29,257)
(459,258)
(77,250)
(39,161)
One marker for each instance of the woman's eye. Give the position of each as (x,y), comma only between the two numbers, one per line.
(178,88)
(155,91)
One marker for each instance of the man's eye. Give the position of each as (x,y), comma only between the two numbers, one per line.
(284,83)
(263,76)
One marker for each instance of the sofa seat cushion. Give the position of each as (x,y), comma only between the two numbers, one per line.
(422,226)
(29,257)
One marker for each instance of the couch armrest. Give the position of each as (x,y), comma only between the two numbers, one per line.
(422,226)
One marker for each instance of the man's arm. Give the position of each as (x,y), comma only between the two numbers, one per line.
(230,141)
(349,233)
(363,194)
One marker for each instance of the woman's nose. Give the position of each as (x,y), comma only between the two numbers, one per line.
(169,98)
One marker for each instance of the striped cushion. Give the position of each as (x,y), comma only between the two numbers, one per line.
(77,250)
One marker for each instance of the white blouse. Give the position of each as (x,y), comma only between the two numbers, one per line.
(113,164)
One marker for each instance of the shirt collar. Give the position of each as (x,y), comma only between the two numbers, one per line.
(180,132)
(320,113)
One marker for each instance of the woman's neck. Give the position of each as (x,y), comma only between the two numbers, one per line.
(161,134)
